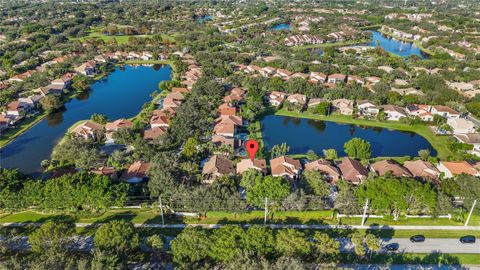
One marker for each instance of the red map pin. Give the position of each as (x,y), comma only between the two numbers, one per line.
(252,147)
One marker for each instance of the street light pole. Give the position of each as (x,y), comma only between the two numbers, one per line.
(365,211)
(161,209)
(470,214)
(266,212)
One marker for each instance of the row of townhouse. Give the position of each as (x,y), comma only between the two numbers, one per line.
(298,40)
(452,53)
(348,169)
(313,77)
(16,110)
(400,34)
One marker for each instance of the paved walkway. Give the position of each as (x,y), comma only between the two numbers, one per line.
(273,226)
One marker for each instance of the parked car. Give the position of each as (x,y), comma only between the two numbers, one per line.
(417,238)
(392,247)
(467,239)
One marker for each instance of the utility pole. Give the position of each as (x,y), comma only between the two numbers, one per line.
(161,209)
(365,211)
(470,214)
(266,212)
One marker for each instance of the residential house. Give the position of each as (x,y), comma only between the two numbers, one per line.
(106,171)
(343,106)
(225,129)
(352,170)
(366,107)
(16,108)
(373,80)
(267,71)
(160,118)
(326,169)
(313,102)
(87,130)
(236,95)
(394,113)
(336,78)
(247,164)
(111,127)
(30,102)
(215,167)
(87,69)
(51,89)
(445,111)
(422,169)
(318,77)
(219,141)
(453,168)
(419,110)
(407,91)
(285,167)
(152,133)
(64,81)
(470,138)
(297,99)
(283,73)
(356,79)
(276,98)
(461,125)
(227,109)
(384,167)
(299,75)
(137,172)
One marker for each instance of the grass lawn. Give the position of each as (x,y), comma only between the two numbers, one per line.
(11,133)
(438,142)
(330,44)
(96,33)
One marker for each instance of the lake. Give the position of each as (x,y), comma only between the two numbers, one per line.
(119,95)
(282,26)
(401,48)
(306,134)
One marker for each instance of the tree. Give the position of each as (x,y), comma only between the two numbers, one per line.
(357,241)
(325,247)
(323,108)
(117,239)
(279,150)
(225,243)
(424,154)
(155,242)
(51,103)
(99,118)
(358,148)
(316,182)
(291,242)
(259,240)
(51,245)
(273,188)
(373,243)
(192,245)
(330,154)
(190,149)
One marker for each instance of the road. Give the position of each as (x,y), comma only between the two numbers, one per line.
(433,245)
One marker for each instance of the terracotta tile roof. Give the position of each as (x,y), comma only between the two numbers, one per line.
(285,166)
(218,165)
(352,170)
(459,167)
(324,167)
(120,123)
(384,166)
(423,169)
(137,170)
(105,171)
(246,164)
(153,133)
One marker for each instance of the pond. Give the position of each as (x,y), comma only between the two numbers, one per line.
(282,26)
(119,95)
(302,135)
(401,48)
(205,18)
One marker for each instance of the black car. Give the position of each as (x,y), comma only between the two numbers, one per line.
(392,247)
(417,238)
(467,239)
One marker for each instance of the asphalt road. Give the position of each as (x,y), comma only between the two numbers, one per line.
(432,245)
(438,245)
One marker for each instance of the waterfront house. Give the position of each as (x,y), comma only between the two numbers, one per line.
(366,107)
(64,81)
(87,69)
(219,141)
(160,118)
(217,166)
(87,130)
(182,90)
(247,164)
(461,125)
(343,106)
(313,102)
(384,167)
(16,108)
(276,98)
(30,102)
(297,99)
(453,168)
(352,170)
(111,127)
(419,110)
(394,113)
(285,167)
(5,121)
(422,169)
(100,59)
(137,172)
(326,169)
(472,139)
